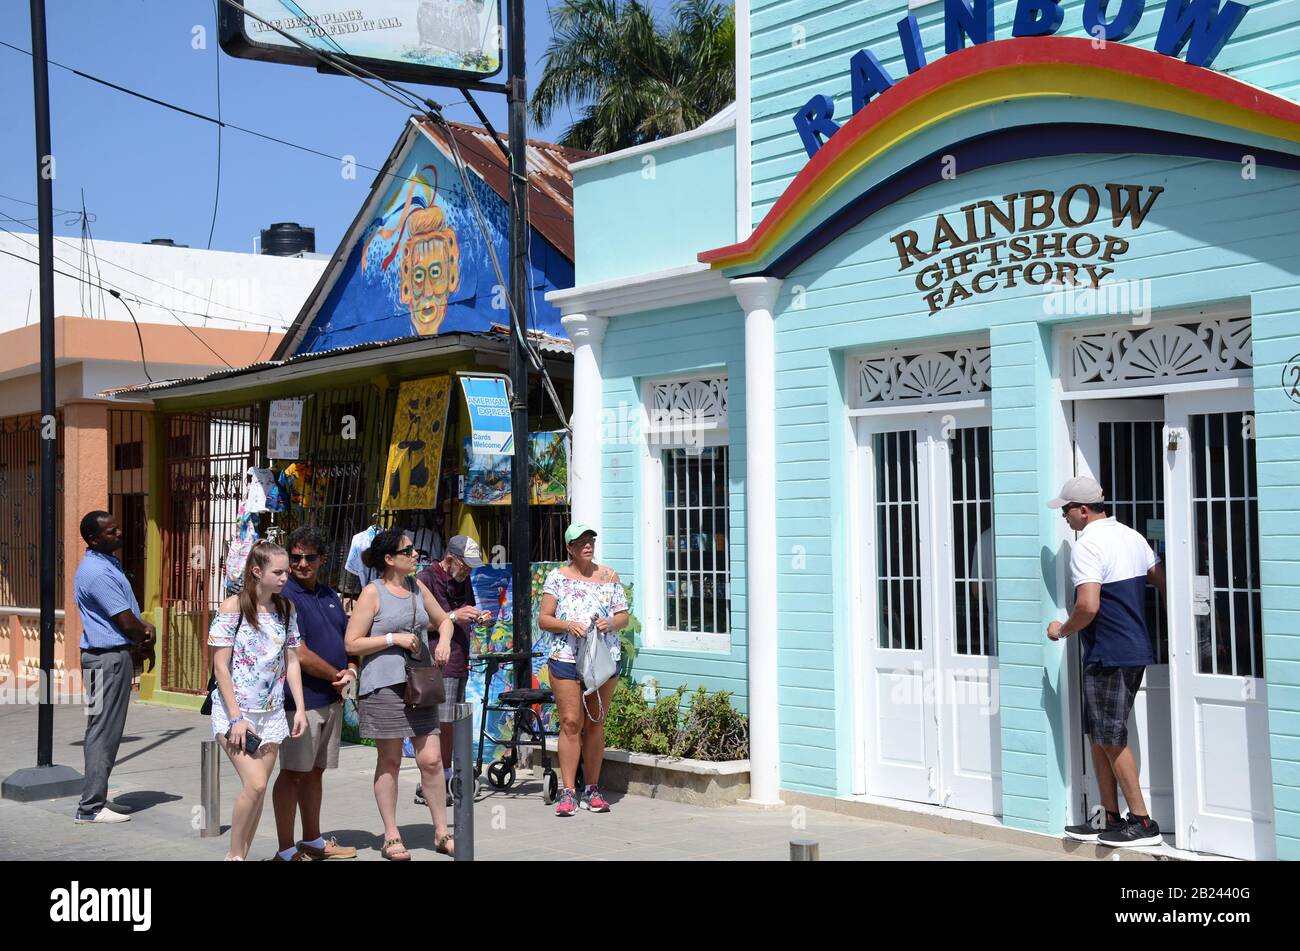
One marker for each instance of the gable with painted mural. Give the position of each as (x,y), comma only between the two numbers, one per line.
(427,252)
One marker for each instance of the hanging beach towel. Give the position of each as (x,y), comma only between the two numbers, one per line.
(237,550)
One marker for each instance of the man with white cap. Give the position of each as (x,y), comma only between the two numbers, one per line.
(1111,565)
(448,582)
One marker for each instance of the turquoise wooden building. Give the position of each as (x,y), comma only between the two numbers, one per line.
(837,348)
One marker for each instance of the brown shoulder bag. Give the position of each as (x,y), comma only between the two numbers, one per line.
(424,686)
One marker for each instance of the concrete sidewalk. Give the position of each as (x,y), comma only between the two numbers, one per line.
(158,777)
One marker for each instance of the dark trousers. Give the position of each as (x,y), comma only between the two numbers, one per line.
(106,686)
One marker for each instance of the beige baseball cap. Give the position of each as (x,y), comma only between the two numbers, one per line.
(1079,489)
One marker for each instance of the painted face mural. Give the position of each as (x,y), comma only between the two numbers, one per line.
(429,252)
(430,268)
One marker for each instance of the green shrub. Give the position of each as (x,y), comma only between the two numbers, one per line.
(709,728)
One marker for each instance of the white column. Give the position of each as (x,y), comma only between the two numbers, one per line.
(757,296)
(586,332)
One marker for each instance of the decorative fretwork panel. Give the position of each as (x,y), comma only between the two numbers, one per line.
(1161,353)
(697,402)
(930,376)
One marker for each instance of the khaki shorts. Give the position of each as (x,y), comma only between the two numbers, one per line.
(318,747)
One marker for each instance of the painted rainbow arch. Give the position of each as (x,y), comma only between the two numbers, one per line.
(1002,70)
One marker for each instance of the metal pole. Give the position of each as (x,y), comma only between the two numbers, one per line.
(520,540)
(804,850)
(45,215)
(210,788)
(463,785)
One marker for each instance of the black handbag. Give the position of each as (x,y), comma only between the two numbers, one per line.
(424,686)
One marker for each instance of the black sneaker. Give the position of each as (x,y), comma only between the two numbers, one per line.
(1090,830)
(419,795)
(1136,831)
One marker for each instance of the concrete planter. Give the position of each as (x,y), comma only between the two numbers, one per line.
(694,781)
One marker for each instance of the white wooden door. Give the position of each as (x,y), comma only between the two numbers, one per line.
(966,615)
(1221,742)
(1119,443)
(928,582)
(901,732)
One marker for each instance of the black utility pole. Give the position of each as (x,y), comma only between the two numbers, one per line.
(521,547)
(46,781)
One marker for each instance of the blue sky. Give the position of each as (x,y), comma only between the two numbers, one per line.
(149,172)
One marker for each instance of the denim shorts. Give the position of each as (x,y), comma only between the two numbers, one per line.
(560,670)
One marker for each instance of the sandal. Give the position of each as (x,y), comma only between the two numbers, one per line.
(440,844)
(394,851)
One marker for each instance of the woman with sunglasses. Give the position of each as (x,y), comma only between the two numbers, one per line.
(389,624)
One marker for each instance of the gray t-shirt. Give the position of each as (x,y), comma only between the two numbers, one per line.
(388,666)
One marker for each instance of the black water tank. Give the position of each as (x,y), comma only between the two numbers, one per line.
(166,243)
(288,237)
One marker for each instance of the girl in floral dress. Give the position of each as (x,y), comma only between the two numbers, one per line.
(254,641)
(581,599)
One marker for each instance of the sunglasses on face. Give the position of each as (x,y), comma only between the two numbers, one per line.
(408,550)
(1065,509)
(298,556)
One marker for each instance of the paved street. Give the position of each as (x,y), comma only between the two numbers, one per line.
(158,776)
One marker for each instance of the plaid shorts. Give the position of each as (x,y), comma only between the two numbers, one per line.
(1108,695)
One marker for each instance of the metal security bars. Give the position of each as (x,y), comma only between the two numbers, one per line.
(1226,589)
(898,559)
(546,533)
(697,577)
(207,456)
(1131,468)
(20,511)
(336,481)
(975,602)
(128,488)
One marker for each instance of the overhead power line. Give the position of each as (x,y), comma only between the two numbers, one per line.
(279,321)
(109,288)
(224,124)
(126,90)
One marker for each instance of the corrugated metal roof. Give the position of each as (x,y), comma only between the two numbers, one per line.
(546,343)
(550,196)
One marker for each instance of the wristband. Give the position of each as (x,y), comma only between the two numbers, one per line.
(388,638)
(238,719)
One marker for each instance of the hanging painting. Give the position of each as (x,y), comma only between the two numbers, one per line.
(415,454)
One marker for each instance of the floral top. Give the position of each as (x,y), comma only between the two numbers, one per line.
(257,663)
(582,600)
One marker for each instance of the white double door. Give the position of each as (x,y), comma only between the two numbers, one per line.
(1181,471)
(928,610)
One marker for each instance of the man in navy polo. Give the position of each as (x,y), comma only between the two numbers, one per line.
(1111,566)
(113,638)
(326,673)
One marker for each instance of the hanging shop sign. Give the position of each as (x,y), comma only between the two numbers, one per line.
(1202,27)
(284,429)
(488,400)
(1017,239)
(423,41)
(415,454)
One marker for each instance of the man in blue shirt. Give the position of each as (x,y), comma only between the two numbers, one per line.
(113,638)
(1111,565)
(326,673)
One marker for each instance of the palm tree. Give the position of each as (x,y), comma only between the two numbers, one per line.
(634,79)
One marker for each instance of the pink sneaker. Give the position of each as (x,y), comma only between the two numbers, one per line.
(567,804)
(593,800)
